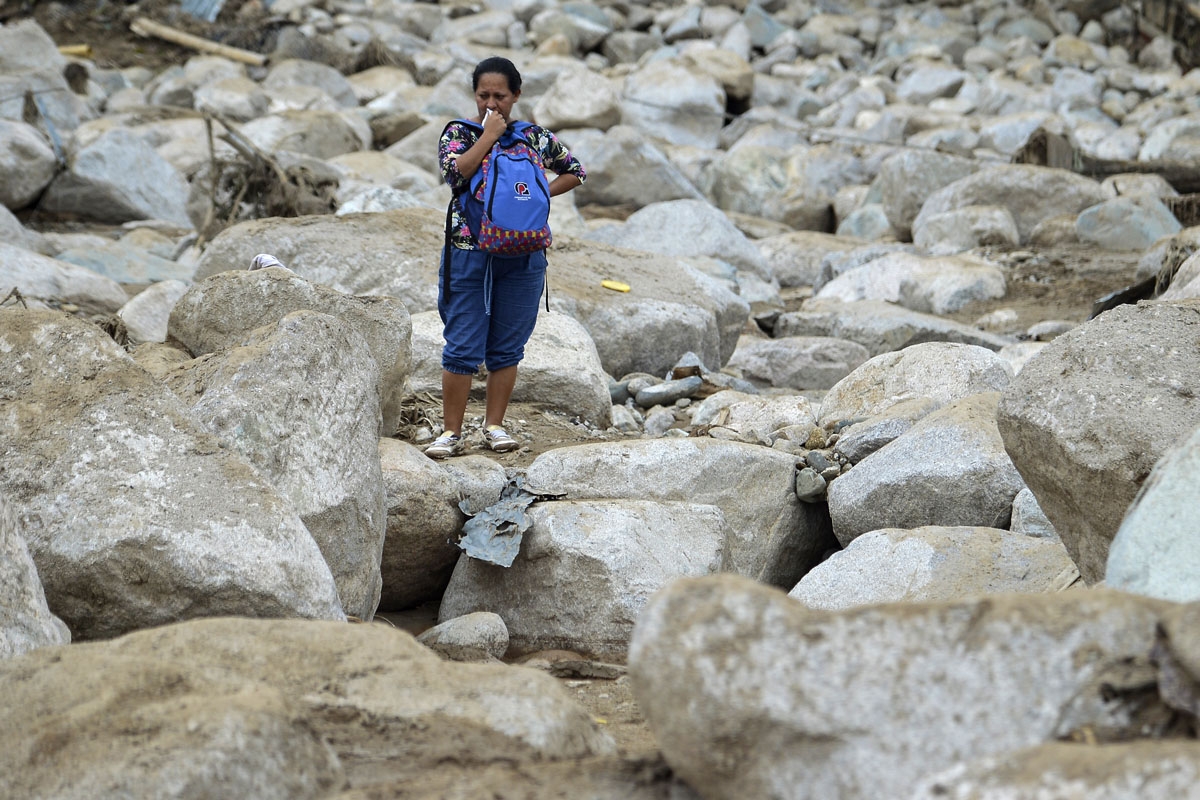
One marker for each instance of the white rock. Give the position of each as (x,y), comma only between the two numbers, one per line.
(51,282)
(930,564)
(560,370)
(579,98)
(929,285)
(481,634)
(966,228)
(27,164)
(798,362)
(949,469)
(686,228)
(1155,552)
(1028,518)
(147,314)
(1066,419)
(424,520)
(722,659)
(218,312)
(1157,768)
(298,399)
(256,696)
(297,72)
(794,258)
(101,475)
(774,537)
(668,100)
(879,326)
(626,168)
(1126,223)
(321,134)
(942,371)
(118,178)
(26,622)
(611,554)
(1031,194)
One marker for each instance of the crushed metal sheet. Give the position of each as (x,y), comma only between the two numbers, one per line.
(207,10)
(494,534)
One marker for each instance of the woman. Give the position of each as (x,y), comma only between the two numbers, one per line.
(492,304)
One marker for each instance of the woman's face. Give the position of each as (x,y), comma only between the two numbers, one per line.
(493,94)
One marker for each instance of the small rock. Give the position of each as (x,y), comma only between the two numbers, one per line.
(810,486)
(668,392)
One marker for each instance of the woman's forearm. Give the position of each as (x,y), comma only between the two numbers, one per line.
(563,184)
(467,163)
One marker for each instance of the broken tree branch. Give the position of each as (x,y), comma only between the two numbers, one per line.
(148,27)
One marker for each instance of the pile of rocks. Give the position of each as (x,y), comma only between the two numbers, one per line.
(806,192)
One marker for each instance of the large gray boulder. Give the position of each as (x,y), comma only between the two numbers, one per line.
(579,98)
(126,263)
(1156,552)
(318,133)
(908,178)
(586,570)
(1126,223)
(218,312)
(686,228)
(134,515)
(794,258)
(949,469)
(1031,194)
(26,622)
(673,101)
(298,399)
(755,418)
(25,45)
(301,72)
(1132,770)
(879,326)
(864,703)
(357,254)
(148,313)
(270,709)
(1086,420)
(798,362)
(118,178)
(626,168)
(27,164)
(934,563)
(773,536)
(50,283)
(929,285)
(942,371)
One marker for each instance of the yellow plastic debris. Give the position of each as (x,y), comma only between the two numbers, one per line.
(616,286)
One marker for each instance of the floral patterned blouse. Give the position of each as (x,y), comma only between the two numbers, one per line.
(458,138)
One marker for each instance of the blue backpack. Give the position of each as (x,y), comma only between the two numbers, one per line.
(507,205)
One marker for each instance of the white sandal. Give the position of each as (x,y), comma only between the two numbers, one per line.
(498,440)
(444,446)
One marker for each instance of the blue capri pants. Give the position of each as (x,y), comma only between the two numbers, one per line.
(492,307)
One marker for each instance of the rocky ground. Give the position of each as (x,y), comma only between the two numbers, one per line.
(1057,282)
(1044,283)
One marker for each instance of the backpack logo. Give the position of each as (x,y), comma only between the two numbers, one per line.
(508,203)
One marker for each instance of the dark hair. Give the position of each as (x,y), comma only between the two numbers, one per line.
(500,66)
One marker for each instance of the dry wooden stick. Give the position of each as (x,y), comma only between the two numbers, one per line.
(148,27)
